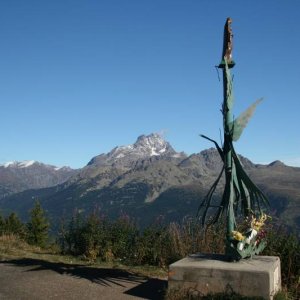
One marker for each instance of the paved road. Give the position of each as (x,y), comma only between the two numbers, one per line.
(36,279)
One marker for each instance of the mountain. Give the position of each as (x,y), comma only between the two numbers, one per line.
(149,179)
(145,147)
(20,176)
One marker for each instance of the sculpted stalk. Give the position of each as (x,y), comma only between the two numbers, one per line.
(241,197)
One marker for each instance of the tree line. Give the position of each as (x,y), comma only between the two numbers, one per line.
(34,232)
(97,238)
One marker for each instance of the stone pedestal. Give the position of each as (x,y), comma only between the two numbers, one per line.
(209,274)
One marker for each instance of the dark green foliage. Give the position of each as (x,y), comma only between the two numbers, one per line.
(95,236)
(86,236)
(90,236)
(72,237)
(286,245)
(154,246)
(37,227)
(123,238)
(119,240)
(12,225)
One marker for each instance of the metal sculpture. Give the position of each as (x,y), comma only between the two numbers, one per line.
(241,197)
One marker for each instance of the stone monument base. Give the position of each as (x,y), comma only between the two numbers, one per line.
(211,273)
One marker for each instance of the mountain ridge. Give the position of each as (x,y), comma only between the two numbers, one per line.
(149,178)
(18,176)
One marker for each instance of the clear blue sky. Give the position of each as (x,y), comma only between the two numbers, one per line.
(78,78)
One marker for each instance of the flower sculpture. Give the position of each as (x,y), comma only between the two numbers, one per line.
(251,240)
(241,196)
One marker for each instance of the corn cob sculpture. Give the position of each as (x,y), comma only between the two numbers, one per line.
(241,197)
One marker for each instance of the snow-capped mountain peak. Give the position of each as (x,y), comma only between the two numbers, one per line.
(27,163)
(146,146)
(152,144)
(32,164)
(9,163)
(17,176)
(19,164)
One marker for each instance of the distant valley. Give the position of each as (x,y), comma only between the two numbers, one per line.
(146,180)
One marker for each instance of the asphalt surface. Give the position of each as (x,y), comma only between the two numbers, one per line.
(36,279)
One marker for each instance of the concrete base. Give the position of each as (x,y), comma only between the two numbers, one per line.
(208,273)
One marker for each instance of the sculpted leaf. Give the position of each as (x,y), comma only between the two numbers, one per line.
(241,122)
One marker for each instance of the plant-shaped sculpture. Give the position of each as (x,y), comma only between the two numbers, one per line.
(241,197)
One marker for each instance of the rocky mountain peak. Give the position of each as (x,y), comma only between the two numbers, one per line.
(152,145)
(19,164)
(17,176)
(145,146)
(32,164)
(277,163)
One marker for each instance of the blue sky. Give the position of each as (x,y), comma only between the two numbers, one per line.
(81,77)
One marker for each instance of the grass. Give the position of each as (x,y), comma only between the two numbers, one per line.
(11,247)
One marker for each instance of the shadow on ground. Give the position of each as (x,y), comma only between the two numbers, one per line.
(147,288)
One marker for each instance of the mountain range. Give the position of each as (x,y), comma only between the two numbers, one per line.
(20,176)
(147,180)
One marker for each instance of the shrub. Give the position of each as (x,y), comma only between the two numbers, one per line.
(152,246)
(123,236)
(286,245)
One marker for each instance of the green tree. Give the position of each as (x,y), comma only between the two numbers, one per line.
(124,234)
(37,227)
(73,235)
(14,225)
